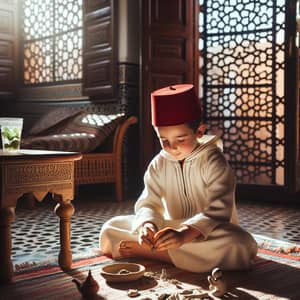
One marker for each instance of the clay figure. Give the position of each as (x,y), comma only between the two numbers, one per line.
(217,284)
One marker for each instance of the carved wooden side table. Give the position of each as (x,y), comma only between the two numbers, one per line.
(37,172)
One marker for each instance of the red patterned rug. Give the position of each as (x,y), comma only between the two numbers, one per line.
(275,275)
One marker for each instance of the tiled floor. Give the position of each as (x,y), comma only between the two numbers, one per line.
(36,232)
(276,221)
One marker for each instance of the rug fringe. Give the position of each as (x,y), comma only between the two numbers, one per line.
(33,265)
(280,249)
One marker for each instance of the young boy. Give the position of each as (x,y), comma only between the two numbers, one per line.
(186,214)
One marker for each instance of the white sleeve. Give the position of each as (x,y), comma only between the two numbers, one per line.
(149,206)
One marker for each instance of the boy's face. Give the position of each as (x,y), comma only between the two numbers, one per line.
(178,140)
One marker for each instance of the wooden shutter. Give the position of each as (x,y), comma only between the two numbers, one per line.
(168,56)
(8,46)
(99,58)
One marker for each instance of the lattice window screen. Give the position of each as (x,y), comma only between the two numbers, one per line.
(242,79)
(52,33)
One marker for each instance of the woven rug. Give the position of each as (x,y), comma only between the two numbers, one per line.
(36,232)
(35,261)
(275,275)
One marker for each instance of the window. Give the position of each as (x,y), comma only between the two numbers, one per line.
(243,76)
(52,41)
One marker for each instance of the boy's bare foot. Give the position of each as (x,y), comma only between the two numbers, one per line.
(134,249)
(131,249)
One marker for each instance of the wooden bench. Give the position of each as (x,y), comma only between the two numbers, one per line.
(105,167)
(94,132)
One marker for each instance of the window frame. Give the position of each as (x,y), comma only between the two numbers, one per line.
(100,49)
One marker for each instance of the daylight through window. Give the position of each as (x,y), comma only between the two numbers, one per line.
(242,63)
(52,33)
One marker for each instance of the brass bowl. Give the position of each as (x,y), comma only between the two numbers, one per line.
(122,272)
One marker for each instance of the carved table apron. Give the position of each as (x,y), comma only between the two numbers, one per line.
(37,172)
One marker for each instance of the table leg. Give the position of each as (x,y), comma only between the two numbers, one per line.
(65,210)
(7,215)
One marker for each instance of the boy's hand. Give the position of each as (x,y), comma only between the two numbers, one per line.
(168,238)
(146,235)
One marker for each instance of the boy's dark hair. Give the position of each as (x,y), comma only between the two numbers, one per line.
(194,124)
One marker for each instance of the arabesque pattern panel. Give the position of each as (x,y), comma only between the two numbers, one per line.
(242,78)
(52,32)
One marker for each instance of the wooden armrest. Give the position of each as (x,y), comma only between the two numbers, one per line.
(105,167)
(117,150)
(120,132)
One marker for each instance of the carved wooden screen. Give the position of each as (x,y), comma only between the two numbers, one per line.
(52,40)
(243,69)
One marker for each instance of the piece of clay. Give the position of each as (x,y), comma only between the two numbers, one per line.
(197,296)
(174,296)
(217,284)
(193,294)
(187,292)
(163,275)
(123,271)
(133,293)
(163,296)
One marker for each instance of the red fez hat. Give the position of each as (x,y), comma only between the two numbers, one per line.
(173,105)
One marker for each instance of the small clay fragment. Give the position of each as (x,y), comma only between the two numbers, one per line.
(133,293)
(123,271)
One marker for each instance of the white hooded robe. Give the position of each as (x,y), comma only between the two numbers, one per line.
(199,193)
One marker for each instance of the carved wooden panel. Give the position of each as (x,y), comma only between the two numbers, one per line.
(168,56)
(100,61)
(99,37)
(168,12)
(170,42)
(35,172)
(169,48)
(52,172)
